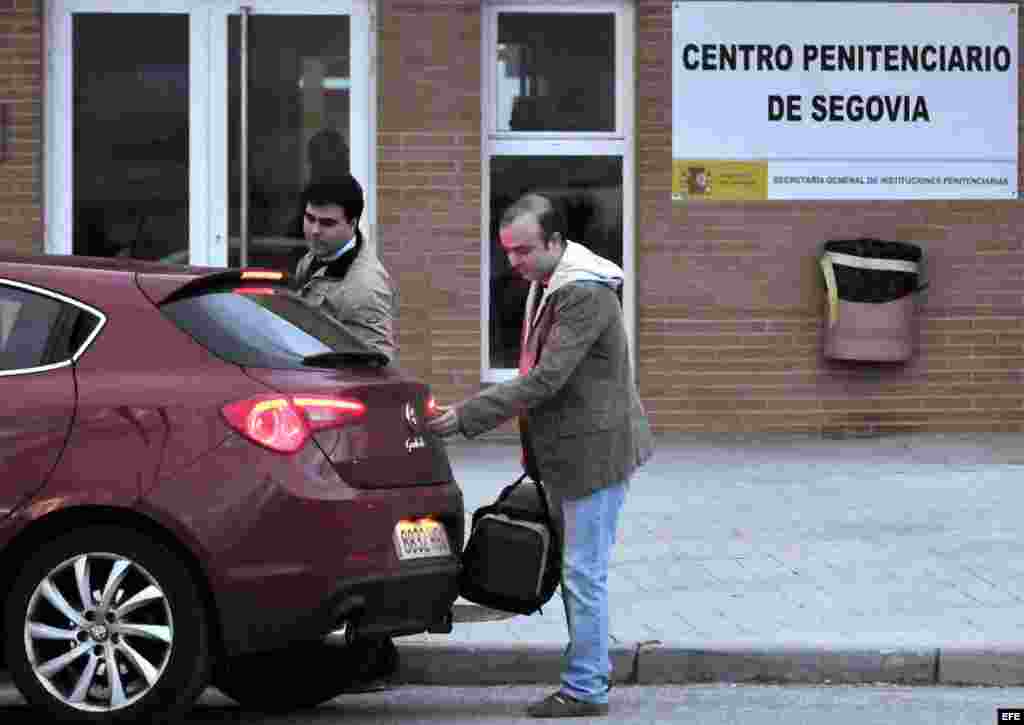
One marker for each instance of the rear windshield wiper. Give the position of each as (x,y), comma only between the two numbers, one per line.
(343,359)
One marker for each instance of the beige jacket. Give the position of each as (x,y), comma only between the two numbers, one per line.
(365,302)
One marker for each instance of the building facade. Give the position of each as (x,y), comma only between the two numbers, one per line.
(123,134)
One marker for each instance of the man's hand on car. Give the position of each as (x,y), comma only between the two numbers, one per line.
(445,423)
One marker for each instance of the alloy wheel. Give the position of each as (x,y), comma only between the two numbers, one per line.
(98,632)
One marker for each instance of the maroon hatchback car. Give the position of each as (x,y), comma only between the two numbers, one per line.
(201,479)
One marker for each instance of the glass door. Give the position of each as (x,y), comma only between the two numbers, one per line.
(123,120)
(295,76)
(130,138)
(149,154)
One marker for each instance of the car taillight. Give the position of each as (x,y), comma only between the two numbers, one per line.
(284,424)
(262,274)
(431,407)
(325,412)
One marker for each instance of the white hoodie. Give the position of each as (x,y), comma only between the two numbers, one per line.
(577,263)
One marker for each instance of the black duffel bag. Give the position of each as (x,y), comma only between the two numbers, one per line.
(513,559)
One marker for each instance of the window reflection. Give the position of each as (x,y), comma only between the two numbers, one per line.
(589,191)
(28,322)
(299,98)
(556,72)
(131,132)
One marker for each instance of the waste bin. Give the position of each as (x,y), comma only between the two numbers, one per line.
(872,288)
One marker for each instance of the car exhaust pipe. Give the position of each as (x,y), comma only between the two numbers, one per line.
(344,635)
(346,617)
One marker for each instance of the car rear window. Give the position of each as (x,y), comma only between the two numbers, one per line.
(272,328)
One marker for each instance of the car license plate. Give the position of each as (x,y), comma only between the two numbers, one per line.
(421,539)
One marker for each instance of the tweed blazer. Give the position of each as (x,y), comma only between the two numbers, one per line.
(587,427)
(364,302)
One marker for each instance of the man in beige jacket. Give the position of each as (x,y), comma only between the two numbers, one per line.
(586,431)
(341,274)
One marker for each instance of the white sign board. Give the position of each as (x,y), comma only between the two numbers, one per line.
(830,100)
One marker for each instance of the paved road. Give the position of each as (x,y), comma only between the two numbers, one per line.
(704,704)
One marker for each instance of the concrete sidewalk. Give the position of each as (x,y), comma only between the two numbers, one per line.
(783,559)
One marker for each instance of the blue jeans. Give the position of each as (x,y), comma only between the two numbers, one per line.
(589,533)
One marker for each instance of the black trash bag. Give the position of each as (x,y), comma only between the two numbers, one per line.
(855,284)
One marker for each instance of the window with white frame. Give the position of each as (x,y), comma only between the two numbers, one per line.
(558,120)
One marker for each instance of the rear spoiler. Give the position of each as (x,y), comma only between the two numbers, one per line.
(229,279)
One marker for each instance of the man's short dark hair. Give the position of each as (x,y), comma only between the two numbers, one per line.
(342,190)
(548,215)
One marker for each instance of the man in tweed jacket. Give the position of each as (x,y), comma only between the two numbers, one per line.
(586,431)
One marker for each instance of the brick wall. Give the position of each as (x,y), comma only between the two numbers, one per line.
(428,180)
(731,300)
(21,90)
(730,297)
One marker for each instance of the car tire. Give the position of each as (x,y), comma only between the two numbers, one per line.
(304,675)
(145,621)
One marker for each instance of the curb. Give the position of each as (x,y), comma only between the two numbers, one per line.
(493,664)
(655,663)
(651,663)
